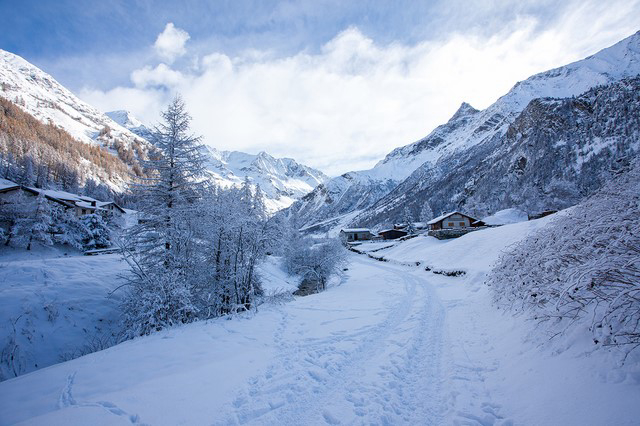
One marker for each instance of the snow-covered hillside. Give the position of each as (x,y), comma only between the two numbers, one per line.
(554,154)
(55,304)
(392,344)
(42,96)
(469,128)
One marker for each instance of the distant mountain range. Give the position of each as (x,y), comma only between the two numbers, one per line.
(282,180)
(121,134)
(469,162)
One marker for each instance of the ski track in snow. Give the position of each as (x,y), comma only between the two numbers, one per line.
(388,373)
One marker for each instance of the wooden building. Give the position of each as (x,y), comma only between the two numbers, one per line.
(392,234)
(453,220)
(356,234)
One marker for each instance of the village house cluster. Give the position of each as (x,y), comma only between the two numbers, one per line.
(78,205)
(447,225)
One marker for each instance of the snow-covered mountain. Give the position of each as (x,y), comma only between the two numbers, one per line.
(557,152)
(355,192)
(40,95)
(282,180)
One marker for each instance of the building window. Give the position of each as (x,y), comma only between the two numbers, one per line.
(84,211)
(450,224)
(461,223)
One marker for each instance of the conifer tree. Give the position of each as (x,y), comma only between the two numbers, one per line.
(164,243)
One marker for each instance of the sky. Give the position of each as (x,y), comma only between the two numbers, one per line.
(335,85)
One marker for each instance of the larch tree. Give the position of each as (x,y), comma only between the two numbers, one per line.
(163,247)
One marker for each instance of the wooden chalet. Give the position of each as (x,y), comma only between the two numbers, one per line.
(78,204)
(356,234)
(392,234)
(453,220)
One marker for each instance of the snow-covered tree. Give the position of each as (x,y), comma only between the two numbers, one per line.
(165,244)
(237,237)
(98,234)
(29,219)
(407,218)
(426,213)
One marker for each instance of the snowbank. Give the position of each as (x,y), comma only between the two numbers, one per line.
(505,217)
(274,279)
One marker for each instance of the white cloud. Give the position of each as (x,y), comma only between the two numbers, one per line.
(348,105)
(170,43)
(161,75)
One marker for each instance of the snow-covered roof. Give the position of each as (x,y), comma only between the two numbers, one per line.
(85,198)
(6,184)
(85,205)
(446,215)
(106,203)
(392,229)
(61,195)
(356,230)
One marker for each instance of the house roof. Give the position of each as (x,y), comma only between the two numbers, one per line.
(446,215)
(106,203)
(85,205)
(7,185)
(393,230)
(356,230)
(36,191)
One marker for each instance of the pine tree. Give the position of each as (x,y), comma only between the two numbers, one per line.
(98,235)
(408,220)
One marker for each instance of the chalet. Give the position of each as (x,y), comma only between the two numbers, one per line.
(78,204)
(453,220)
(356,234)
(392,234)
(8,194)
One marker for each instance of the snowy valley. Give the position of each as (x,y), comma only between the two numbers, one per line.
(486,275)
(390,342)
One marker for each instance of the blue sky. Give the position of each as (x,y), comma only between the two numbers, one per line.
(335,84)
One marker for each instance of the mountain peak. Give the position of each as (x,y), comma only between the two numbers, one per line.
(465,110)
(124,118)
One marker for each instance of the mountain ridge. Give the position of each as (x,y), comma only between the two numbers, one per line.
(467,128)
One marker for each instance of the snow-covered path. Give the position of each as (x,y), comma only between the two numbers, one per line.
(367,351)
(357,360)
(391,345)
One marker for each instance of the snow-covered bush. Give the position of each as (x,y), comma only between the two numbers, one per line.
(584,266)
(159,299)
(314,261)
(29,220)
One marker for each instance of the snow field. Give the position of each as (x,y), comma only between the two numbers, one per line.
(391,345)
(55,306)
